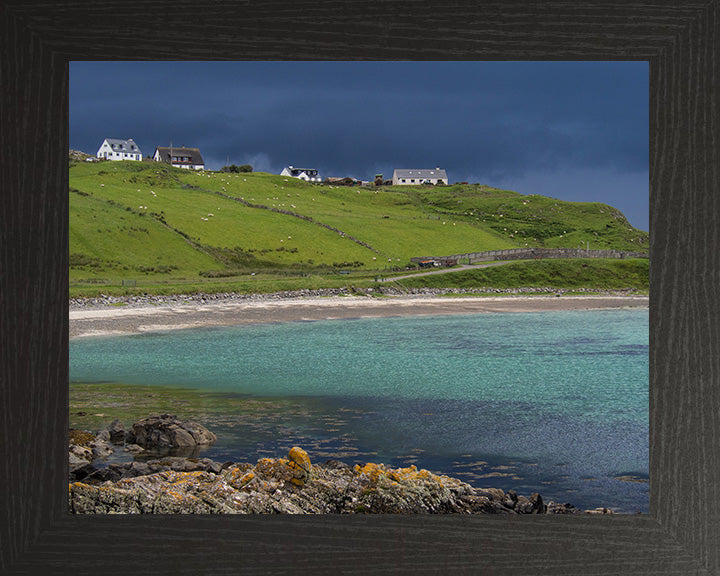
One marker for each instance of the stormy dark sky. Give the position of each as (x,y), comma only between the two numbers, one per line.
(570,130)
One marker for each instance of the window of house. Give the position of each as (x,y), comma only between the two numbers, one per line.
(403,180)
(412,180)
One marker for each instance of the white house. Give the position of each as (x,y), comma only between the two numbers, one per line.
(307,174)
(117,149)
(415,177)
(180,156)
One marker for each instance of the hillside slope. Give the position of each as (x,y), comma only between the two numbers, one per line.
(143,219)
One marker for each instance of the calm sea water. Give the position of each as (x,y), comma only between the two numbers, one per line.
(549,402)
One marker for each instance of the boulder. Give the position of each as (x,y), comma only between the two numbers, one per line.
(101,448)
(166,433)
(116,431)
(299,463)
(79,455)
(103,435)
(81,472)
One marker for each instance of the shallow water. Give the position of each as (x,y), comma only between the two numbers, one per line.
(549,402)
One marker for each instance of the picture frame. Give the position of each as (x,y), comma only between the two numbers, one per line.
(681,533)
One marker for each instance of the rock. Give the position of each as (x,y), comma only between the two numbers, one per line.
(101,449)
(80,437)
(79,455)
(510,500)
(103,435)
(599,511)
(537,504)
(166,433)
(289,486)
(116,431)
(566,508)
(82,471)
(299,463)
(112,473)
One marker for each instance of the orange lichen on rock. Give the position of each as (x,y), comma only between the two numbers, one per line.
(80,437)
(274,468)
(299,463)
(371,471)
(374,473)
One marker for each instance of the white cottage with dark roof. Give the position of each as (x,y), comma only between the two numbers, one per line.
(414,177)
(118,149)
(180,156)
(307,174)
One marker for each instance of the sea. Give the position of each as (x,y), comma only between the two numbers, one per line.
(547,402)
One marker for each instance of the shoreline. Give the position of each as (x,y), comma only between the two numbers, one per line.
(114,317)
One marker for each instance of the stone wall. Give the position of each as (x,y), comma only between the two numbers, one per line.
(532,254)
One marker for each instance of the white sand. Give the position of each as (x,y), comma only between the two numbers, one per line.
(87,322)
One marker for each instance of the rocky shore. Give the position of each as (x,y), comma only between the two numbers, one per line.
(206,298)
(163,476)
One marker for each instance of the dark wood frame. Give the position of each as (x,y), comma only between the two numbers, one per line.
(681,535)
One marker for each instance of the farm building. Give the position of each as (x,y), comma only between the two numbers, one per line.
(118,149)
(342,181)
(416,177)
(180,156)
(307,174)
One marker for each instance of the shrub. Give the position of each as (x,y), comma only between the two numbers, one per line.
(236,169)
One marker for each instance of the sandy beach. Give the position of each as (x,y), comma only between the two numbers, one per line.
(105,321)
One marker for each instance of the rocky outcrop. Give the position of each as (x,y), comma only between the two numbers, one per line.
(85,448)
(159,435)
(167,434)
(291,485)
(170,484)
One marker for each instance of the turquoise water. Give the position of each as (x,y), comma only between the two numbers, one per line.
(553,402)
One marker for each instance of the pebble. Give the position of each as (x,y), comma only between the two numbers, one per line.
(105,301)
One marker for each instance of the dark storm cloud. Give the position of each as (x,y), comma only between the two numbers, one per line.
(499,120)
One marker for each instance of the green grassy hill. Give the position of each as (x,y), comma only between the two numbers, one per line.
(591,273)
(166,226)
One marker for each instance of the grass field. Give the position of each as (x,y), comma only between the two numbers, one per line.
(595,273)
(170,229)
